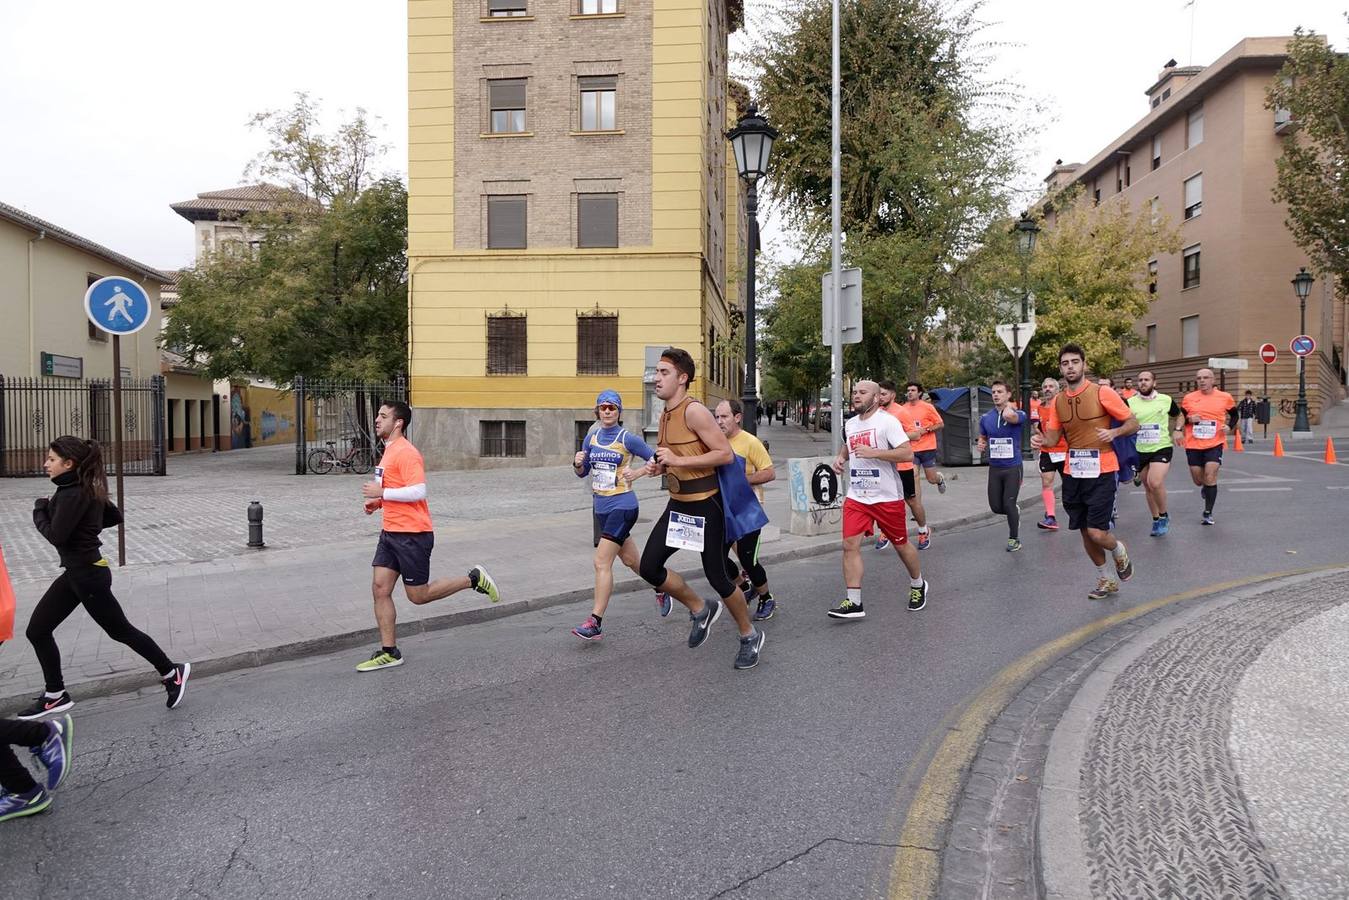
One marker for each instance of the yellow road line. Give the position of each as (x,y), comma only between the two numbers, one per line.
(917,864)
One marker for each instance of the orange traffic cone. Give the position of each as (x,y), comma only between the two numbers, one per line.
(1238,446)
(1330,452)
(1278,445)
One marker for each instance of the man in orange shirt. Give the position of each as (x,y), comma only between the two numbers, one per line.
(921,423)
(1209,415)
(1052,457)
(405,542)
(887,396)
(1128,389)
(1081,414)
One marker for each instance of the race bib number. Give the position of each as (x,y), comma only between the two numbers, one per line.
(1001,448)
(864,482)
(603,476)
(1206,429)
(684,532)
(1057,457)
(1150,433)
(1084,463)
(379,475)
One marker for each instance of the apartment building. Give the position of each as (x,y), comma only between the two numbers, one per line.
(1203,155)
(573,207)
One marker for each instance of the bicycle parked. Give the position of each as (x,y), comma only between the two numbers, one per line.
(359,458)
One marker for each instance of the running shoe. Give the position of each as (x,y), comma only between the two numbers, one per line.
(918,597)
(1138,478)
(1048,523)
(941,484)
(54,752)
(1125,566)
(590,631)
(176,684)
(14,806)
(1164,525)
(748,656)
(1104,588)
(483,583)
(1156,528)
(46,706)
(702,625)
(1013,545)
(1208,518)
(767,606)
(924,539)
(664,603)
(848,610)
(882,543)
(380,659)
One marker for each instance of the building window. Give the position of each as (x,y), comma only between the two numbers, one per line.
(95,333)
(1156,206)
(1191,267)
(501,438)
(507,8)
(598,96)
(1166,94)
(1152,276)
(507,344)
(597,344)
(597,220)
(1194,127)
(1156,102)
(506,100)
(1128,175)
(1189,336)
(1152,343)
(1095,193)
(1194,196)
(599,7)
(507,219)
(1156,151)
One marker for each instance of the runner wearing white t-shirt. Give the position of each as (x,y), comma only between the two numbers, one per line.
(875,442)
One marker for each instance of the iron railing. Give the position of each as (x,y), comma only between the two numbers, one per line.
(340,413)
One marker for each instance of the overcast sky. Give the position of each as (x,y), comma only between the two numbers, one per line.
(112,111)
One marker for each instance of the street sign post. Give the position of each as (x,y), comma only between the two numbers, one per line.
(1268,353)
(1016,335)
(850,312)
(118,306)
(1302,345)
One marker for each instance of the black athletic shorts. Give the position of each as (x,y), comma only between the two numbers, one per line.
(1156,456)
(1089,501)
(1201,458)
(614,526)
(1048,465)
(406,552)
(910,484)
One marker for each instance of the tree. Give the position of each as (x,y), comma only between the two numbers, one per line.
(793,356)
(325,295)
(1313,171)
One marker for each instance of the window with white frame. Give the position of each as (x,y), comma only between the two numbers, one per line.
(1152,343)
(599,7)
(1155,207)
(1189,336)
(1191,277)
(506,100)
(1194,196)
(1156,151)
(1194,127)
(599,94)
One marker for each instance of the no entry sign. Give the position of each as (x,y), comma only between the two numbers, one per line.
(1268,353)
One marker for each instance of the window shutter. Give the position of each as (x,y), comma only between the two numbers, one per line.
(507,94)
(1194,191)
(599,83)
(506,222)
(597,220)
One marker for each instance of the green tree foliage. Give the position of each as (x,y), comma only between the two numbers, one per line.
(1313,171)
(795,362)
(325,294)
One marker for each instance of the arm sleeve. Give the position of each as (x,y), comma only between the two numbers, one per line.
(1175,409)
(758,455)
(410,494)
(638,447)
(983,431)
(56,521)
(894,432)
(1021,417)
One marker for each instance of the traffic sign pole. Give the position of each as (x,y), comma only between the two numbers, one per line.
(117,443)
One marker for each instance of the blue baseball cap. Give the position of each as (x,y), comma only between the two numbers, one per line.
(609,397)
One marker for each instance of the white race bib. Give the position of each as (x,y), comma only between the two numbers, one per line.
(1150,433)
(864,482)
(1001,448)
(379,475)
(1057,457)
(1206,429)
(1084,463)
(685,532)
(603,476)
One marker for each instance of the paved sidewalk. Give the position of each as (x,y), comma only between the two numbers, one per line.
(195,588)
(1196,752)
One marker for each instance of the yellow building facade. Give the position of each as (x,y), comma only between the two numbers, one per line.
(571,194)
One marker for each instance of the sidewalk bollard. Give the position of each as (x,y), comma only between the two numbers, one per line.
(255,525)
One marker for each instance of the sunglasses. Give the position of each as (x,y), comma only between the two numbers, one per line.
(607,406)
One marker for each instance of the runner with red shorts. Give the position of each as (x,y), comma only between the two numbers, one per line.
(875,442)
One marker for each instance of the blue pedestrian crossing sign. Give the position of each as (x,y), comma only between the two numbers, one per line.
(117,305)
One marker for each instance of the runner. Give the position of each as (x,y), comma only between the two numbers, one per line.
(607,458)
(690,449)
(1000,431)
(1158,418)
(875,441)
(908,481)
(1051,459)
(753,455)
(1081,413)
(71,520)
(1209,415)
(926,423)
(405,542)
(1128,391)
(50,744)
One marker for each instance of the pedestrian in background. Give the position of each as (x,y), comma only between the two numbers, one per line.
(1246,415)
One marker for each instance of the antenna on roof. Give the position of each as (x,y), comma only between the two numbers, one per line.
(1192,6)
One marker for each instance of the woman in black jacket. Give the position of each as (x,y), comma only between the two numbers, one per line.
(71,520)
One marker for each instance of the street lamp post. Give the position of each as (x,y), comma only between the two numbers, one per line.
(1302,286)
(1026,232)
(752,140)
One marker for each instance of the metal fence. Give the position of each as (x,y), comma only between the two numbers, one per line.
(339,416)
(36,411)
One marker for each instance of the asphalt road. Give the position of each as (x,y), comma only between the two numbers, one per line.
(509,759)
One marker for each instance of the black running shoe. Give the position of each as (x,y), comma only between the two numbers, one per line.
(918,597)
(45,706)
(848,610)
(176,684)
(748,657)
(702,625)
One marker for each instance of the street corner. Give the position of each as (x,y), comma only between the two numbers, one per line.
(1189,741)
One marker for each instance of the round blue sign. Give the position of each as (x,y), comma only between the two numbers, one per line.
(117,305)
(1302,345)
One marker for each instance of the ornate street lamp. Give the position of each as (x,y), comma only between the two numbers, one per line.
(1302,286)
(752,141)
(1026,232)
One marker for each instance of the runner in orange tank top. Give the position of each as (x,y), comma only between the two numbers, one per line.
(907,473)
(1209,415)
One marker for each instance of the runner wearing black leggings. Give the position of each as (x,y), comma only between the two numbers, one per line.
(71,520)
(1000,435)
